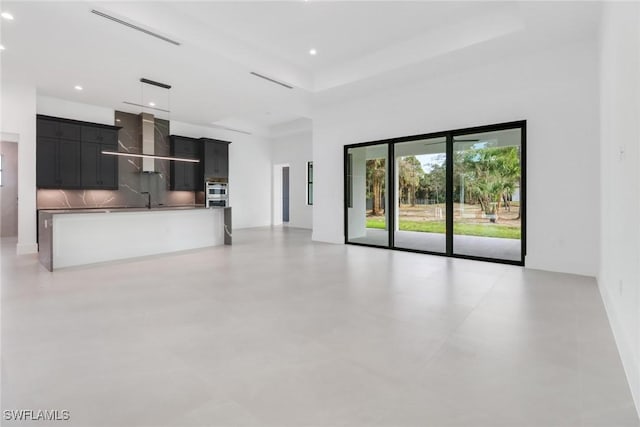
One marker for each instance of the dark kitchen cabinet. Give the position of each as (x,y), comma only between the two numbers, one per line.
(99,135)
(54,128)
(184,175)
(57,163)
(186,147)
(214,162)
(47,162)
(69,154)
(69,163)
(216,159)
(99,171)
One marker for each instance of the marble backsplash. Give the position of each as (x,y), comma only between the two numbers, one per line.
(132,181)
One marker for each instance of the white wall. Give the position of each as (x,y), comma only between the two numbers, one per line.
(19,118)
(555,91)
(249,173)
(74,110)
(295,151)
(619,276)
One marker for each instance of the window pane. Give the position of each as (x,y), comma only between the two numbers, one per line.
(309,183)
(349,184)
(421,181)
(487,173)
(368,214)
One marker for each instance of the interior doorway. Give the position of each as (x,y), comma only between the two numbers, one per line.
(281,203)
(8,189)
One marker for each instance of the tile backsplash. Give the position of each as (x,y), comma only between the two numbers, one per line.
(132,181)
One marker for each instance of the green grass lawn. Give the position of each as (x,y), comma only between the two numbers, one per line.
(484,230)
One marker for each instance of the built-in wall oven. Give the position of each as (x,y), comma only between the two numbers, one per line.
(216,193)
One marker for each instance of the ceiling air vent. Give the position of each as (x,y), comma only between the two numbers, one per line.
(271,80)
(134,26)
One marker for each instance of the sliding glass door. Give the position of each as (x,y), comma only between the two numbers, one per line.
(457,193)
(421,184)
(367,199)
(487,188)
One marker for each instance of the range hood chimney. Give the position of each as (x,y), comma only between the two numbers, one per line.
(148,142)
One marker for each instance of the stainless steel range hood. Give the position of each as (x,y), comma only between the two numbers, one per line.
(148,142)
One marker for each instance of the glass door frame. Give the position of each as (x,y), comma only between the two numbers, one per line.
(449,206)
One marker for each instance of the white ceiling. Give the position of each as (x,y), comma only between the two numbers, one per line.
(362,46)
(339,31)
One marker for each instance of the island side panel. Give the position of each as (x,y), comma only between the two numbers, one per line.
(89,238)
(45,240)
(228,234)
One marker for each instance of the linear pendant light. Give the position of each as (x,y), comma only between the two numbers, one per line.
(150,156)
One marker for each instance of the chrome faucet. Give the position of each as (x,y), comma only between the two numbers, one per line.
(148,198)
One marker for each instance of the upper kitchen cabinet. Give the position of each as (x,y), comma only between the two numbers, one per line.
(69,154)
(100,135)
(216,159)
(57,163)
(51,127)
(99,171)
(188,147)
(57,153)
(184,176)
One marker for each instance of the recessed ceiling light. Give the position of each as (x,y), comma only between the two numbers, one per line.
(78,87)
(312,52)
(152,104)
(1,47)
(7,15)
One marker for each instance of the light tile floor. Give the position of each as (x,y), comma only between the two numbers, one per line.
(279,331)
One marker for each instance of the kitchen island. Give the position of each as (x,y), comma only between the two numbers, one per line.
(76,237)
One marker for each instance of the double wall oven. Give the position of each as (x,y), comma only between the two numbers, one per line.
(216,193)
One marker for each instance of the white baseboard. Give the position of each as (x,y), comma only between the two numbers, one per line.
(625,348)
(26,248)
